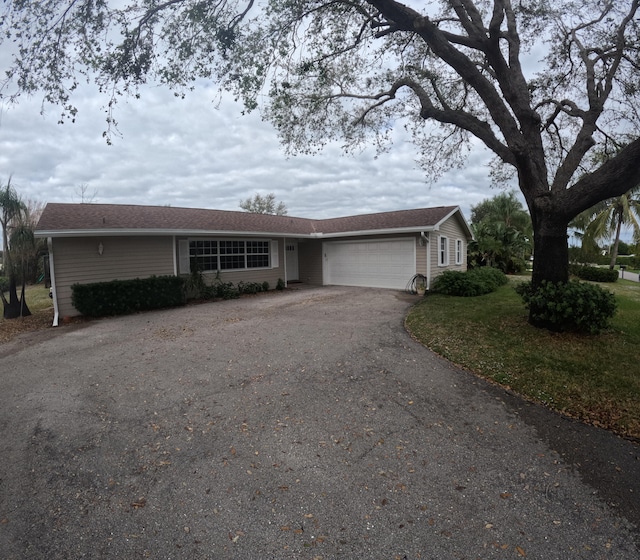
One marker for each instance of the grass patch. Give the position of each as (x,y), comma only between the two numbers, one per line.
(594,378)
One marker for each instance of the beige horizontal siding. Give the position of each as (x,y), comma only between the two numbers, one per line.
(260,275)
(421,257)
(452,229)
(76,260)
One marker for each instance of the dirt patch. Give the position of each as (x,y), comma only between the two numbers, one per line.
(10,328)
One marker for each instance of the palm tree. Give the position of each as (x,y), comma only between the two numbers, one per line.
(506,208)
(23,246)
(502,233)
(605,220)
(12,210)
(498,245)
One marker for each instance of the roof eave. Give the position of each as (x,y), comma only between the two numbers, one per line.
(383,231)
(105,232)
(158,232)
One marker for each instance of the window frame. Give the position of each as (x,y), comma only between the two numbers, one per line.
(443,252)
(459,251)
(231,252)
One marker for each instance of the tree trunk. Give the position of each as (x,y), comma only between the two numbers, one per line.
(15,307)
(551,254)
(614,249)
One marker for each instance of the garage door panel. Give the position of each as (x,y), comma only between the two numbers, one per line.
(376,264)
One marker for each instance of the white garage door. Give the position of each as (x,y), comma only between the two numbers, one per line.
(386,263)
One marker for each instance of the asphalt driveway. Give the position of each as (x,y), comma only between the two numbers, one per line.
(305,424)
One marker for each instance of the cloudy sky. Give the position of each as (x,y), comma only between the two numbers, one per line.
(196,153)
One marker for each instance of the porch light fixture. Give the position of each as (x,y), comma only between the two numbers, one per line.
(100,248)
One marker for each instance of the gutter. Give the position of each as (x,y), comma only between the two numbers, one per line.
(386,231)
(139,232)
(115,232)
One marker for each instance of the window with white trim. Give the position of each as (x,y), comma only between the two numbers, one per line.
(257,254)
(211,255)
(458,251)
(443,250)
(203,253)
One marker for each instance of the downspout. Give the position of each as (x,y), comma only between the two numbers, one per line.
(425,239)
(284,256)
(174,247)
(52,275)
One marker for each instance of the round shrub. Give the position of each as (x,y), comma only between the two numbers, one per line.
(225,290)
(474,282)
(574,306)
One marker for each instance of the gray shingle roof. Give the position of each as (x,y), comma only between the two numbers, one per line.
(58,218)
(420,217)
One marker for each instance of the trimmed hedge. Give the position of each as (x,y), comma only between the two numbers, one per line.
(630,262)
(475,282)
(574,306)
(593,273)
(120,297)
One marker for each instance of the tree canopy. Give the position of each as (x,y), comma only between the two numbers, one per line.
(354,70)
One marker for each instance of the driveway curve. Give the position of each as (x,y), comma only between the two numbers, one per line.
(305,424)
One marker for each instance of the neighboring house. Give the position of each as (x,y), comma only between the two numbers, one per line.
(101,242)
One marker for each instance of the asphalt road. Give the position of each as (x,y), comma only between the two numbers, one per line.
(305,424)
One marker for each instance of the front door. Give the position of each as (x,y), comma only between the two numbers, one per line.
(292,261)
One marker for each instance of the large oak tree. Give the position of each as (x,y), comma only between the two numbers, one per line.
(450,71)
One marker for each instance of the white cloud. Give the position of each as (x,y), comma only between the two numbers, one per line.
(190,153)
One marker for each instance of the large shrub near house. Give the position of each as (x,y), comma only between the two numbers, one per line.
(120,297)
(474,282)
(574,306)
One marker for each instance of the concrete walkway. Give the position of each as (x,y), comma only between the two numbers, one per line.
(307,425)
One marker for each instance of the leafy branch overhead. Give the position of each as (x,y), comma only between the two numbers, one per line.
(541,85)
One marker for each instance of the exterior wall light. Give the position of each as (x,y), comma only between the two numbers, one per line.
(100,248)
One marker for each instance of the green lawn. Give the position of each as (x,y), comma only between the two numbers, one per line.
(593,378)
(41,308)
(37,297)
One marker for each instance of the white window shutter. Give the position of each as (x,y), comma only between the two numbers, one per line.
(184,266)
(275,261)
